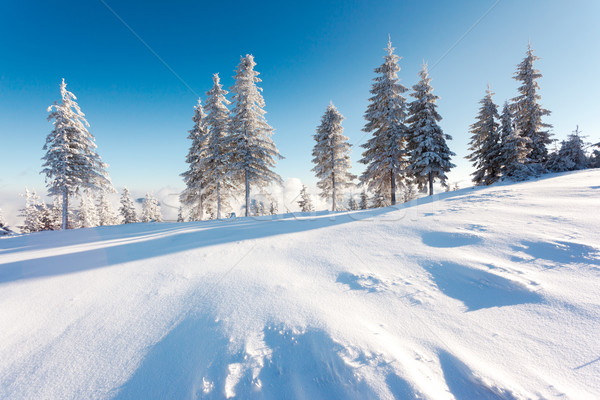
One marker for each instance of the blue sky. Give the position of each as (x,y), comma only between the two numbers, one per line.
(308,53)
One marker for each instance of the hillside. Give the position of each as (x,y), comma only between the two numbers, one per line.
(481,293)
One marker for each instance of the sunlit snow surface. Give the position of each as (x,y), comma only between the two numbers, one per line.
(480,294)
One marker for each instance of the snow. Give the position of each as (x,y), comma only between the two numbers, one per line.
(478,293)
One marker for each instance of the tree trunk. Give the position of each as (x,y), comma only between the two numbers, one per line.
(393,187)
(218,200)
(200,205)
(247,193)
(65,210)
(431,183)
(333,194)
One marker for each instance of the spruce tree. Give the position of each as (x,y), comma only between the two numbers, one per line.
(514,148)
(571,155)
(273,207)
(31,213)
(180,217)
(331,157)
(429,153)
(71,162)
(216,162)
(127,209)
(352,204)
(106,213)
(385,152)
(363,203)
(151,209)
(528,112)
(485,143)
(56,213)
(194,178)
(253,152)
(305,202)
(379,200)
(88,214)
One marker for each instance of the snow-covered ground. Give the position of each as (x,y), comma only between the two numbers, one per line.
(482,293)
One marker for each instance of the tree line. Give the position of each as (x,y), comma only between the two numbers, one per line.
(232,152)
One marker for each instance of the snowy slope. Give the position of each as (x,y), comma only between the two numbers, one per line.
(483,293)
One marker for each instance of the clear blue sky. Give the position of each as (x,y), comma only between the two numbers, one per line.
(308,53)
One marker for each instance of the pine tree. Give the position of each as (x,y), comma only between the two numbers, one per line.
(217,153)
(194,178)
(363,204)
(352,204)
(71,162)
(514,148)
(273,207)
(331,157)
(127,209)
(485,143)
(106,214)
(571,155)
(151,209)
(594,158)
(429,153)
(4,228)
(88,214)
(528,113)
(385,152)
(180,217)
(56,213)
(379,200)
(305,202)
(252,150)
(410,192)
(33,217)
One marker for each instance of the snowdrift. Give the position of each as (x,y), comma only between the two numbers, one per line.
(481,293)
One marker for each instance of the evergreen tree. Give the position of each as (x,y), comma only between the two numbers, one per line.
(71,162)
(331,157)
(180,217)
(106,213)
(305,202)
(485,143)
(273,208)
(594,158)
(352,204)
(216,164)
(385,152)
(127,209)
(4,228)
(410,192)
(514,148)
(151,209)
(195,191)
(571,156)
(379,200)
(33,217)
(429,153)
(252,150)
(528,113)
(56,213)
(88,214)
(363,204)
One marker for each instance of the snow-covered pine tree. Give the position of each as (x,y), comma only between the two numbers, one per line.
(88,214)
(352,204)
(528,112)
(31,213)
(106,213)
(429,153)
(331,157)
(514,148)
(180,217)
(56,213)
(71,162)
(485,143)
(363,203)
(385,152)
(4,228)
(216,162)
(195,191)
(571,155)
(253,152)
(594,158)
(305,201)
(127,208)
(410,192)
(151,209)
(273,207)
(380,200)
